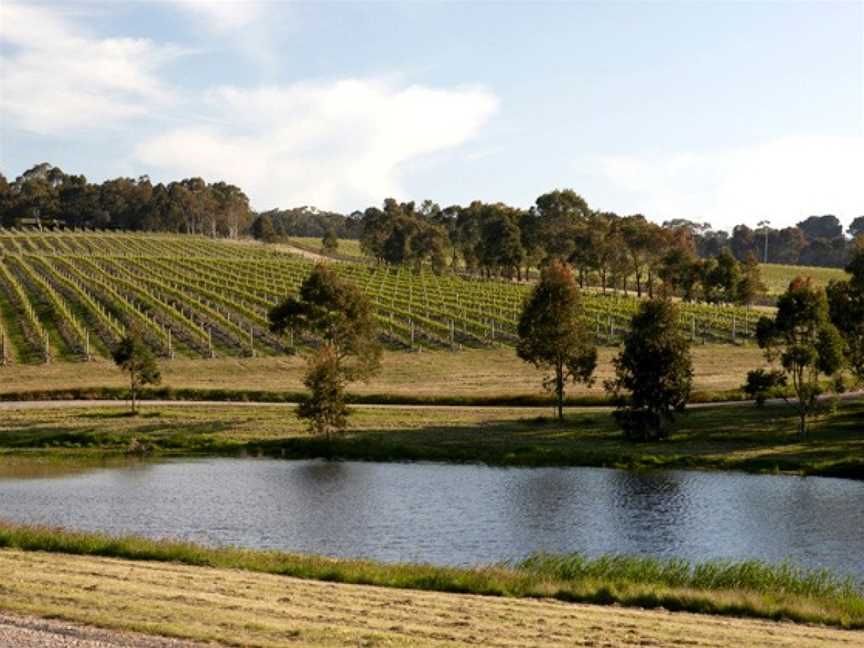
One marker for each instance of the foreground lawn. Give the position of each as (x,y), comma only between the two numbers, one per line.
(440,375)
(739,437)
(258,597)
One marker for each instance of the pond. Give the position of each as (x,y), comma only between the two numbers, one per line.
(455,514)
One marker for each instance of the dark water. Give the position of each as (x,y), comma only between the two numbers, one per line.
(457,514)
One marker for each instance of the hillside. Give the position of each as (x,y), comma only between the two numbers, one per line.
(71,295)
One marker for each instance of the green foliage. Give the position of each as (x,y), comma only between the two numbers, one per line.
(846,304)
(324,407)
(806,343)
(263,230)
(750,285)
(340,316)
(553,334)
(400,234)
(653,373)
(762,384)
(330,241)
(136,359)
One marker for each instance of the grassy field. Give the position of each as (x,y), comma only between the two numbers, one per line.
(259,595)
(431,375)
(777,277)
(740,437)
(349,248)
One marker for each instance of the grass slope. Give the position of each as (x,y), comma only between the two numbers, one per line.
(777,277)
(747,589)
(431,375)
(729,438)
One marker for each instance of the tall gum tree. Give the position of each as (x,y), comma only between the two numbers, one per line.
(553,332)
(341,319)
(805,342)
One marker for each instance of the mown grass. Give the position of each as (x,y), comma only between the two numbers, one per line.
(348,248)
(749,589)
(483,376)
(777,277)
(740,437)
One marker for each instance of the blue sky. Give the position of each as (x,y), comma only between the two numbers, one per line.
(725,112)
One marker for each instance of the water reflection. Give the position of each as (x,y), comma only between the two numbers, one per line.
(454,514)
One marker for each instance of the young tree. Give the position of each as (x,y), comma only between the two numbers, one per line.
(805,341)
(846,304)
(330,242)
(653,373)
(341,319)
(750,284)
(263,230)
(553,334)
(136,359)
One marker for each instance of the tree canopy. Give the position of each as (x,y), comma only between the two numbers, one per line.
(340,318)
(653,372)
(804,341)
(554,333)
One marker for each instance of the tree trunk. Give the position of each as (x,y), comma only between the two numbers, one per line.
(132,390)
(802,425)
(559,390)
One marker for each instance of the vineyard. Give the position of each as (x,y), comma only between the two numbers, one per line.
(73,295)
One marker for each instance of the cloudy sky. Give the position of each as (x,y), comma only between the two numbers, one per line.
(725,111)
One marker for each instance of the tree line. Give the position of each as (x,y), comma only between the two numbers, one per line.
(45,196)
(604,249)
(484,238)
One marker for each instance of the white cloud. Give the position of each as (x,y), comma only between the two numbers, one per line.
(245,25)
(783,180)
(224,15)
(55,77)
(335,145)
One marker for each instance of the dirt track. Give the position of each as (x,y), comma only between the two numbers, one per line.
(33,632)
(263,610)
(65,404)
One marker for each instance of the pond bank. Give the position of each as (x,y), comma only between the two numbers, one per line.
(736,437)
(55,580)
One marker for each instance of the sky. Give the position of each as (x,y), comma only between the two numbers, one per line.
(723,112)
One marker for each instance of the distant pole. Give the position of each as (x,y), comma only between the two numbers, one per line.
(765,225)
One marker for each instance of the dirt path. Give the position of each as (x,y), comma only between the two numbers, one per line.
(66,404)
(34,632)
(264,610)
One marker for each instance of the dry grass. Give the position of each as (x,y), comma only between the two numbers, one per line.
(242,608)
(473,373)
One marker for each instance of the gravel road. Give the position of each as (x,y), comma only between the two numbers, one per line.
(33,632)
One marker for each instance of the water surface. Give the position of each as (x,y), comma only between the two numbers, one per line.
(457,514)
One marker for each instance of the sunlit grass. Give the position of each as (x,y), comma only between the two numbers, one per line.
(749,588)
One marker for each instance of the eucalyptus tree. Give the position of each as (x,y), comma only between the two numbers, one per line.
(554,334)
(653,372)
(807,345)
(340,318)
